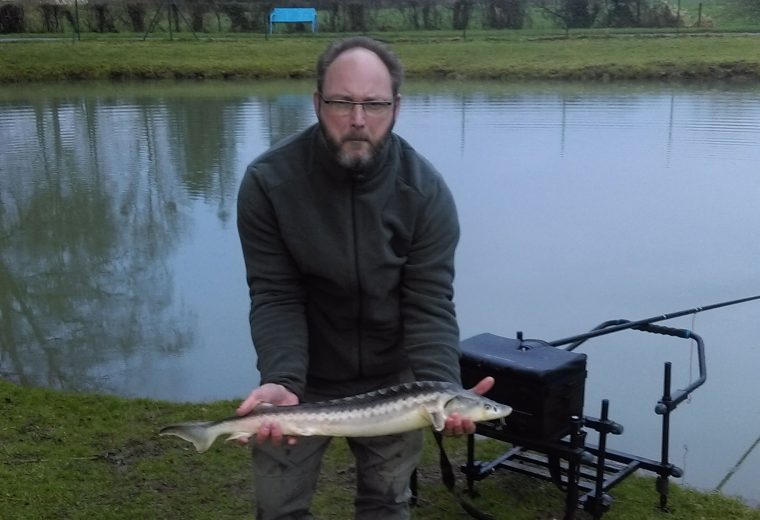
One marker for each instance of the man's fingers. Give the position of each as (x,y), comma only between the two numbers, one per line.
(275,434)
(263,433)
(484,385)
(272,432)
(457,426)
(246,406)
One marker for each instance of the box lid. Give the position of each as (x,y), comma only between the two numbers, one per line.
(535,357)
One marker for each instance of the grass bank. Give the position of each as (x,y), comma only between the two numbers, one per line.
(588,55)
(70,456)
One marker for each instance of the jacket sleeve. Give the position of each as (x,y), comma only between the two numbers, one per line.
(277,312)
(431,332)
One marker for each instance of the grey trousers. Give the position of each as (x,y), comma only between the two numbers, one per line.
(285,477)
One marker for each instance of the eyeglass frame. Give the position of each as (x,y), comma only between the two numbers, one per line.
(381,105)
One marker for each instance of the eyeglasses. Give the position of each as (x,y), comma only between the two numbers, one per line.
(344,107)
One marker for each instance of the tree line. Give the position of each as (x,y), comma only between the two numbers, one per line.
(104,16)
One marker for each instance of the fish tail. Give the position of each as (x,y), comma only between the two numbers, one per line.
(199,433)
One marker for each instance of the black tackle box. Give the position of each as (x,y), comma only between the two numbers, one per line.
(543,384)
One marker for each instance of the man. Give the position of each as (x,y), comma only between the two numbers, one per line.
(348,237)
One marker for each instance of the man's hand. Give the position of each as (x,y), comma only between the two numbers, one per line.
(273,394)
(455,424)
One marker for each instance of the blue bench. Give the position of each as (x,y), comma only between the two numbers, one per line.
(293,15)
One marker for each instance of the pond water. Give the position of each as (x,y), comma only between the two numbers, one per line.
(121,272)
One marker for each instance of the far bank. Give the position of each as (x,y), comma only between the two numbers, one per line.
(592,56)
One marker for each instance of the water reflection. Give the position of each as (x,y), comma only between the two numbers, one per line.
(83,259)
(120,267)
(96,200)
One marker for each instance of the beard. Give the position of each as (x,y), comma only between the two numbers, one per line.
(347,150)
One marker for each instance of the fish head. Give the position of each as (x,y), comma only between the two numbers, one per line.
(476,407)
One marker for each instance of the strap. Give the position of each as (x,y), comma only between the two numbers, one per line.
(413,487)
(447,475)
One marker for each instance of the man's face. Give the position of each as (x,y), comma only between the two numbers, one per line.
(355,134)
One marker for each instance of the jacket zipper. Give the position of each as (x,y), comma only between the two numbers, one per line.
(357,269)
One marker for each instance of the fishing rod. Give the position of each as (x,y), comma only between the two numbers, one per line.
(738,464)
(617,325)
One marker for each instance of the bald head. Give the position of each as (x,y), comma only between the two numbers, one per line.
(392,64)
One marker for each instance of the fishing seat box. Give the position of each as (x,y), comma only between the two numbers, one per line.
(543,384)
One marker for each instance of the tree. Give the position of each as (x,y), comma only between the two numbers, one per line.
(101,19)
(571,14)
(747,8)
(238,15)
(504,14)
(136,14)
(462,12)
(198,10)
(51,17)
(357,21)
(621,14)
(11,19)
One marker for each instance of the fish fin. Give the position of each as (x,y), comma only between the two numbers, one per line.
(238,435)
(437,418)
(198,433)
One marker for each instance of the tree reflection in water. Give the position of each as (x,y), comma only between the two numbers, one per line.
(96,194)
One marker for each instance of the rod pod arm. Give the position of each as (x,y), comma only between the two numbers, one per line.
(608,327)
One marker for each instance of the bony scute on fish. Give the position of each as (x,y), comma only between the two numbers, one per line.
(396,409)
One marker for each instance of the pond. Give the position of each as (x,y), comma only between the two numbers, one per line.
(121,272)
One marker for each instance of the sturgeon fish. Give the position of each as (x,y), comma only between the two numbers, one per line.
(396,409)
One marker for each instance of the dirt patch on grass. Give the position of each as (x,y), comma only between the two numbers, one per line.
(132,452)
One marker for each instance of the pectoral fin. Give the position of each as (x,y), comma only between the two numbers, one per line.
(238,435)
(437,417)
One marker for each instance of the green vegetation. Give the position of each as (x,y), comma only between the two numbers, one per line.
(71,456)
(472,39)
(588,55)
(251,16)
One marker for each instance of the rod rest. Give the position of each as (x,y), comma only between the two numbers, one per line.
(667,331)
(669,402)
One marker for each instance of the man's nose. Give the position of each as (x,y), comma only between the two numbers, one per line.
(357,115)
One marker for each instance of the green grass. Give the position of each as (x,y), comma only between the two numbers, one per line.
(72,456)
(591,55)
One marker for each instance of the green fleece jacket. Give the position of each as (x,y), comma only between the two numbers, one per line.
(350,276)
